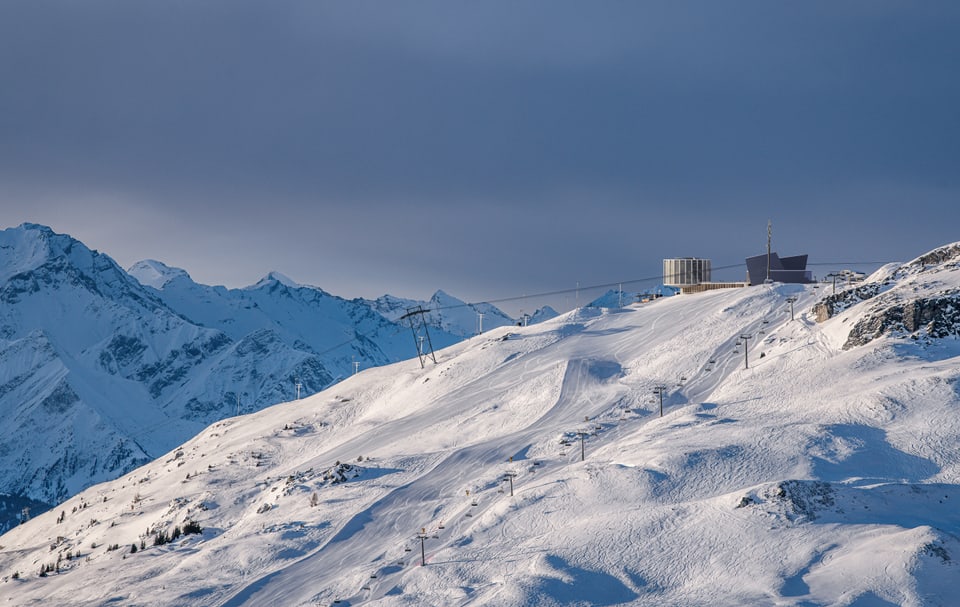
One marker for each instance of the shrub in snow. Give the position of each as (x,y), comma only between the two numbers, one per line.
(192,527)
(160,538)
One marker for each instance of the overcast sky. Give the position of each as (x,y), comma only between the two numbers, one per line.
(490,148)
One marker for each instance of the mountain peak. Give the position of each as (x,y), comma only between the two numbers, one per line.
(29,246)
(276,277)
(35,227)
(443,297)
(156,274)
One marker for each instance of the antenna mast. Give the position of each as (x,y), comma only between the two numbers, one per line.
(769,237)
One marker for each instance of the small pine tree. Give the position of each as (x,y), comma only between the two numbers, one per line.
(133,548)
(191,527)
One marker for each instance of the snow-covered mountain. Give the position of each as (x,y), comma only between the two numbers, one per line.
(813,464)
(615,298)
(445,313)
(449,314)
(101,372)
(304,318)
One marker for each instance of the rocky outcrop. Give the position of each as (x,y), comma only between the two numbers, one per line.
(932,317)
(949,253)
(834,304)
(917,300)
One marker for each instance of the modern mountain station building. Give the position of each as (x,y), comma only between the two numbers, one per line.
(685,271)
(781,269)
(692,275)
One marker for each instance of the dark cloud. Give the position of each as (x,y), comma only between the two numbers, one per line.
(479,146)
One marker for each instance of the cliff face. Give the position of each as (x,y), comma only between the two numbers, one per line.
(927,317)
(919,300)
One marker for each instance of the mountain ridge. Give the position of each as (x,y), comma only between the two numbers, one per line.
(82,338)
(532,466)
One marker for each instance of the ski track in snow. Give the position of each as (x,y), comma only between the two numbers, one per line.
(835,484)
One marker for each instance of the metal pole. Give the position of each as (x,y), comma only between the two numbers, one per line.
(659,390)
(423,555)
(769,236)
(746,351)
(509,476)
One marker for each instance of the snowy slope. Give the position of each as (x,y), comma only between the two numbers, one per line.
(821,474)
(615,298)
(100,374)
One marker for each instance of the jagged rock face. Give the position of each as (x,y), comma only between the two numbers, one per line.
(908,301)
(949,254)
(934,318)
(836,303)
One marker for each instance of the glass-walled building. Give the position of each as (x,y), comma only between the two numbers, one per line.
(685,271)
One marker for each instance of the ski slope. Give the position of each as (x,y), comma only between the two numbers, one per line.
(815,476)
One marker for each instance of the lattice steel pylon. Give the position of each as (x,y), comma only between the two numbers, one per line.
(411,315)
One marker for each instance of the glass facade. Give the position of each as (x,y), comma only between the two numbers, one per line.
(685,271)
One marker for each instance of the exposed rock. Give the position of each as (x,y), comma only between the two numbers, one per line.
(938,256)
(934,317)
(834,304)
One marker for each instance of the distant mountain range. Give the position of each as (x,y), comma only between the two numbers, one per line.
(103,369)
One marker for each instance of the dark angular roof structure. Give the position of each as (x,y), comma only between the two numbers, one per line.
(782,269)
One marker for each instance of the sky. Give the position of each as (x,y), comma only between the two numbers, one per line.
(490,149)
